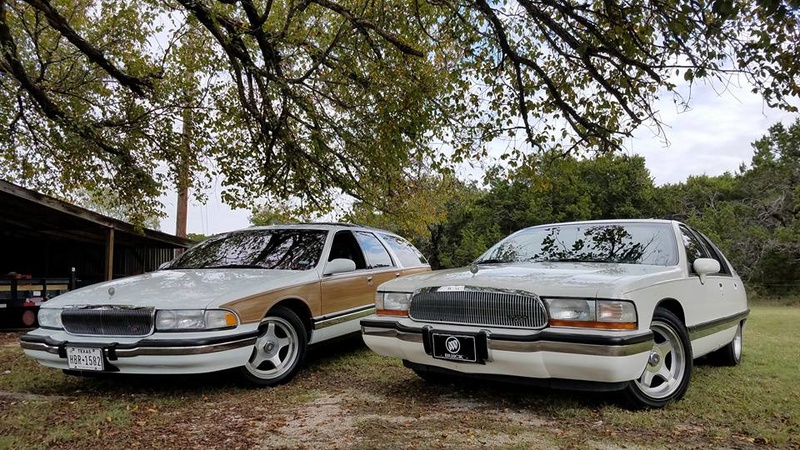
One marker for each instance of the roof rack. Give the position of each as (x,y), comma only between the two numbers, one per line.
(340,224)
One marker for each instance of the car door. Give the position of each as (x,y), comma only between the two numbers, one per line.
(379,263)
(343,291)
(706,298)
(733,296)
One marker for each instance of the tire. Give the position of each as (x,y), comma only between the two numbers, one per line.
(731,353)
(669,369)
(279,350)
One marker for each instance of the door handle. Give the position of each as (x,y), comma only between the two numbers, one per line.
(369,280)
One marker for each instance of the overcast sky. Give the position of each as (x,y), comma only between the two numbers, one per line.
(713,137)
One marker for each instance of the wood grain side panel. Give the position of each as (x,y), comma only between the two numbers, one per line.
(414,270)
(254,308)
(341,292)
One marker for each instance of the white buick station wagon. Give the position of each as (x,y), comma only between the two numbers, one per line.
(621,305)
(251,300)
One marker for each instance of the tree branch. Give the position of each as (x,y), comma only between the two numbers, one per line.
(361,22)
(135,84)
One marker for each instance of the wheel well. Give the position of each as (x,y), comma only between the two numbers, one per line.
(301,309)
(674,307)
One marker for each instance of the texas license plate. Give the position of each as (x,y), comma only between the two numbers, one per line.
(454,347)
(80,358)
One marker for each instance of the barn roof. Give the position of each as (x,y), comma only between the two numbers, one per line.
(28,213)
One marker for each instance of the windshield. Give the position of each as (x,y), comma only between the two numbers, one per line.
(628,243)
(286,249)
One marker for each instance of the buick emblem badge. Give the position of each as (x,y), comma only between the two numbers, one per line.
(111,291)
(452,344)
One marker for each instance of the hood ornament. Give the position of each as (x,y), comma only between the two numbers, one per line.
(473,268)
(111,291)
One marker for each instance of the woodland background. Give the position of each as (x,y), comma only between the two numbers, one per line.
(752,215)
(295,103)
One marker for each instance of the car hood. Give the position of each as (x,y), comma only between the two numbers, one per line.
(183,288)
(545,278)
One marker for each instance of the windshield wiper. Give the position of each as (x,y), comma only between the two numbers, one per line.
(234,266)
(491,261)
(583,260)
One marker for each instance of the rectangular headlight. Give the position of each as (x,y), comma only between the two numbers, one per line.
(586,313)
(194,319)
(50,318)
(392,303)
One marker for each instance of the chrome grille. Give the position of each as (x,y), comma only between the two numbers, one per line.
(108,320)
(479,306)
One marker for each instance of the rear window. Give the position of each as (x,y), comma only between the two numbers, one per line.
(408,255)
(377,256)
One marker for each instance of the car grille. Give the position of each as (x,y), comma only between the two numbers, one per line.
(479,306)
(108,321)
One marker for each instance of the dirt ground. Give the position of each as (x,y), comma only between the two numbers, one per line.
(10,337)
(345,397)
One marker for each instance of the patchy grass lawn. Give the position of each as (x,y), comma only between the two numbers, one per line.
(347,397)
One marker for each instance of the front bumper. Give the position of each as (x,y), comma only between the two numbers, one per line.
(564,354)
(193,353)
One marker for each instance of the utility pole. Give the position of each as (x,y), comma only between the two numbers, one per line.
(183,172)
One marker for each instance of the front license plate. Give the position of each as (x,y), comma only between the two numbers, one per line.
(80,358)
(454,347)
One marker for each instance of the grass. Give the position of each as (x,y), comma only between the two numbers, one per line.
(348,397)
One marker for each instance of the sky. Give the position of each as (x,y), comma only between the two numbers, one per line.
(713,137)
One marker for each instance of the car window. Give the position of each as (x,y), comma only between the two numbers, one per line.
(345,246)
(377,256)
(408,255)
(629,243)
(286,249)
(694,248)
(714,252)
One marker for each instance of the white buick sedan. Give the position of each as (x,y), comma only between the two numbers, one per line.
(622,305)
(251,300)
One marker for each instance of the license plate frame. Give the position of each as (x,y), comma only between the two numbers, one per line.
(455,347)
(85,358)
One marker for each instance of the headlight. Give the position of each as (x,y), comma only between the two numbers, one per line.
(194,319)
(563,309)
(50,318)
(605,314)
(392,303)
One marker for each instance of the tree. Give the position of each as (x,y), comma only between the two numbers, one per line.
(421,210)
(754,215)
(307,98)
(771,194)
(275,214)
(547,188)
(105,202)
(582,75)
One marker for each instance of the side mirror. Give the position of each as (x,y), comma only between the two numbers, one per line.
(705,266)
(339,265)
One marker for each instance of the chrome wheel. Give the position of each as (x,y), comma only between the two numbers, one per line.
(737,344)
(668,370)
(279,349)
(666,366)
(731,353)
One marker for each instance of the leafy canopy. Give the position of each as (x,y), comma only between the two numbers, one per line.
(305,98)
